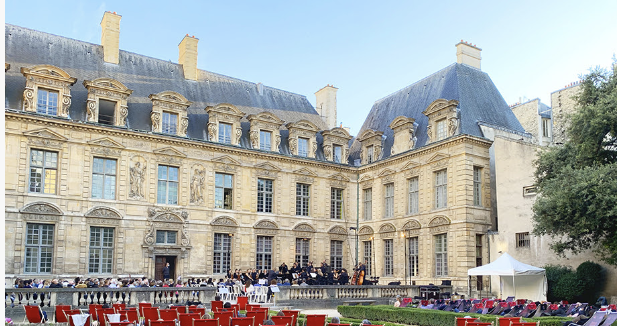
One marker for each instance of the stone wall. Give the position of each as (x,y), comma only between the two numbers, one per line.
(563,103)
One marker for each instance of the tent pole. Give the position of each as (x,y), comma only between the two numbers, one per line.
(468,287)
(514,285)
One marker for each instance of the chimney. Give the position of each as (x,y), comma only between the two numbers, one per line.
(325,105)
(110,37)
(468,54)
(188,56)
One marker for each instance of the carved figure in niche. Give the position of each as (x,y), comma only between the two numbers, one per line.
(212,131)
(293,145)
(137,177)
(452,126)
(314,148)
(412,142)
(429,133)
(239,135)
(362,154)
(255,138)
(156,121)
(327,152)
(197,185)
(277,142)
(91,107)
(184,126)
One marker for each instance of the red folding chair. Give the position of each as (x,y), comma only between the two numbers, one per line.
(315,320)
(59,316)
(187,319)
(119,306)
(463,321)
(121,323)
(200,311)
(243,321)
(334,324)
(92,310)
(294,314)
(205,322)
(283,320)
(224,317)
(236,308)
(505,321)
(69,313)
(150,313)
(242,302)
(143,305)
(249,307)
(34,314)
(168,314)
(260,316)
(266,309)
(216,305)
(100,314)
(521,301)
(525,324)
(131,315)
(477,323)
(162,323)
(179,309)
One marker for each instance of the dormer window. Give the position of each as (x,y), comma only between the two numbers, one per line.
(107,112)
(170,123)
(443,120)
(224,124)
(303,146)
(338,153)
(47,102)
(372,145)
(370,151)
(224,133)
(169,113)
(303,138)
(265,140)
(107,101)
(335,144)
(264,133)
(48,90)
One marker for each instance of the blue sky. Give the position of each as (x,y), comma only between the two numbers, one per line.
(368,49)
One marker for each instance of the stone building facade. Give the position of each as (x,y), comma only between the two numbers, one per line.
(117,163)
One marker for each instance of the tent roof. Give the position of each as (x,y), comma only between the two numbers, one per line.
(506,265)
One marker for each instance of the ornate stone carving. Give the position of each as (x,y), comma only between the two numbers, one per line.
(198,181)
(439,220)
(184,126)
(167,218)
(386,228)
(156,120)
(212,131)
(104,151)
(277,141)
(369,138)
(168,214)
(137,175)
(41,208)
(365,230)
(224,113)
(337,229)
(265,121)
(40,142)
(51,78)
(437,111)
(304,227)
(172,102)
(327,152)
(107,89)
(224,221)
(238,135)
(305,129)
(254,135)
(266,224)
(452,126)
(103,212)
(411,224)
(314,149)
(293,146)
(429,133)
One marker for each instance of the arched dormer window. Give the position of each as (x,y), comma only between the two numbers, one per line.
(48,90)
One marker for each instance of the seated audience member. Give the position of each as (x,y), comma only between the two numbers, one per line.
(366,322)
(397,303)
(335,320)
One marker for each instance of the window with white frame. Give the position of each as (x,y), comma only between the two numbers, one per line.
(166,237)
(336,203)
(104,178)
(441,255)
(303,250)
(47,102)
(264,252)
(167,192)
(43,171)
(413,200)
(477,186)
(265,140)
(223,191)
(302,199)
(170,123)
(441,189)
(388,257)
(370,152)
(336,254)
(101,253)
(222,253)
(225,133)
(303,146)
(389,200)
(39,248)
(264,195)
(338,153)
(368,256)
(546,127)
(367,199)
(413,256)
(441,129)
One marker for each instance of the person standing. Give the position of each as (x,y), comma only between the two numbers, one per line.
(166,272)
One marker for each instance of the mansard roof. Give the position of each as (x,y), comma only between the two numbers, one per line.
(479,101)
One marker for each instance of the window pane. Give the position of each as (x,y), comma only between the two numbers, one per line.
(173,193)
(173,173)
(161,192)
(98,165)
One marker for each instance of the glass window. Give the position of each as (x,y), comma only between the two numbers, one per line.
(441,189)
(222,253)
(167,185)
(303,250)
(338,154)
(368,257)
(39,248)
(264,195)
(101,250)
(336,254)
(522,240)
(264,252)
(223,191)
(336,203)
(303,146)
(43,171)
(166,237)
(413,256)
(368,204)
(389,200)
(369,154)
(441,255)
(170,123)
(546,127)
(477,186)
(265,140)
(107,109)
(104,178)
(224,133)
(47,102)
(388,259)
(302,199)
(441,129)
(414,197)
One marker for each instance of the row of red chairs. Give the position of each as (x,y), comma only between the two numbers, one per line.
(504,321)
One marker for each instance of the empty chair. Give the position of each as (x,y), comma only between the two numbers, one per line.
(179,309)
(224,317)
(205,322)
(119,306)
(294,314)
(168,314)
(59,316)
(131,315)
(162,323)
(143,305)
(92,310)
(462,321)
(315,320)
(216,305)
(243,321)
(260,316)
(187,319)
(242,301)
(34,314)
(120,323)
(505,321)
(266,309)
(150,313)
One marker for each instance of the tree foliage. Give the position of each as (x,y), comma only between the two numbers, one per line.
(577,181)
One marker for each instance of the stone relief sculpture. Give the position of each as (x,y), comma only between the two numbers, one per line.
(277,142)
(239,135)
(327,152)
(254,135)
(184,126)
(452,126)
(212,131)
(156,121)
(293,145)
(314,148)
(197,185)
(137,176)
(429,133)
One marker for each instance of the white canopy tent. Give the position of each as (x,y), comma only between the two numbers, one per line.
(515,278)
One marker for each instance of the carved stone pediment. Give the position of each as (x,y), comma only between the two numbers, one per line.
(339,177)
(265,116)
(369,133)
(366,177)
(225,160)
(338,180)
(103,212)
(224,221)
(41,208)
(401,121)
(225,108)
(337,229)
(411,224)
(106,142)
(440,104)
(304,227)
(45,133)
(365,230)
(168,214)
(404,134)
(387,176)
(386,172)
(169,151)
(267,166)
(267,170)
(437,157)
(305,171)
(439,220)
(387,228)
(411,165)
(168,218)
(266,224)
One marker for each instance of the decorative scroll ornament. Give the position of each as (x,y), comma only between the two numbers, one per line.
(254,135)
(156,120)
(167,218)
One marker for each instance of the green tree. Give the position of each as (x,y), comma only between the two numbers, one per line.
(577,181)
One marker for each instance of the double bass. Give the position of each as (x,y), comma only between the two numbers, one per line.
(361,271)
(354,279)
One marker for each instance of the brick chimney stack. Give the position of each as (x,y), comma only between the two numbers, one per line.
(110,37)
(468,54)
(188,56)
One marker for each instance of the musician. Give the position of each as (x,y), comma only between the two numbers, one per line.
(343,279)
(361,273)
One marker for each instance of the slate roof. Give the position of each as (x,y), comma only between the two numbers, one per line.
(145,75)
(479,102)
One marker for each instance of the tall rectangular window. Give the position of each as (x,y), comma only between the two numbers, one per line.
(367,199)
(389,200)
(441,255)
(104,178)
(336,203)
(47,102)
(167,192)
(170,123)
(302,199)
(265,140)
(43,171)
(441,189)
(368,257)
(336,254)
(224,133)
(413,267)
(222,253)
(101,250)
(303,146)
(303,250)
(107,110)
(441,129)
(522,240)
(370,152)
(39,248)
(477,186)
(264,252)
(264,195)
(388,257)
(546,127)
(338,153)
(166,237)
(223,191)
(413,201)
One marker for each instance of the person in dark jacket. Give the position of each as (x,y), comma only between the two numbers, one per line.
(166,272)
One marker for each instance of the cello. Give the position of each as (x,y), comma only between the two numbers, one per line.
(354,279)
(361,270)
